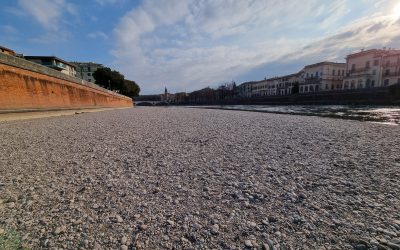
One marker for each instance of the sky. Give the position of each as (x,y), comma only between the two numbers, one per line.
(187,45)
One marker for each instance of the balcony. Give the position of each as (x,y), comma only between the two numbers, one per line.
(55,65)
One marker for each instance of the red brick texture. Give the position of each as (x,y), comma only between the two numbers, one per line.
(24,89)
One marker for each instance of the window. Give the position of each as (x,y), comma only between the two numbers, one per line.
(301,89)
(326,86)
(88,69)
(367,65)
(353,67)
(316,87)
(311,88)
(352,85)
(89,74)
(307,75)
(346,85)
(374,72)
(333,72)
(387,63)
(306,88)
(368,83)
(316,74)
(372,83)
(386,82)
(342,72)
(387,72)
(376,62)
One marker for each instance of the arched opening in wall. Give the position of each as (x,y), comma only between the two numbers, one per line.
(353,84)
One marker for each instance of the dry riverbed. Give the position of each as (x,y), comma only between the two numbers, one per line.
(164,178)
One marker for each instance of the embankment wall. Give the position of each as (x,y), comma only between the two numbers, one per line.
(26,85)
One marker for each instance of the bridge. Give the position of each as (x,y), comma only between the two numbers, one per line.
(151,103)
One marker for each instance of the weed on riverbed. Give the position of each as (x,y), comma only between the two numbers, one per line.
(11,240)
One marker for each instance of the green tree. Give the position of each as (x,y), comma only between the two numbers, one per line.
(131,89)
(114,80)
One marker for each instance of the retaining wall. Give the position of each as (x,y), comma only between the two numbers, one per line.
(27,85)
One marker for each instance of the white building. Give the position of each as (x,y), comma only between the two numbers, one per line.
(371,68)
(85,70)
(54,63)
(391,69)
(323,76)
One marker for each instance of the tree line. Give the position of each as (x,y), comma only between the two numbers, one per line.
(113,80)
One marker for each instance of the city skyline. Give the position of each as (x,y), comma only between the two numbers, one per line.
(188,45)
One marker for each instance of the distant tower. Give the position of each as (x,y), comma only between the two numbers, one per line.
(166,91)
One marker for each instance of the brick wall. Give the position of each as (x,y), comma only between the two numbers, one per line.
(36,87)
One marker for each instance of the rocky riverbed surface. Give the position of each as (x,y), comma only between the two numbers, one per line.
(180,178)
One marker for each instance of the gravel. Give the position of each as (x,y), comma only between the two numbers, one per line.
(154,178)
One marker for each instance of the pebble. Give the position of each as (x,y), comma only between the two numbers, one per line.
(124,240)
(1,231)
(123,247)
(248,243)
(232,153)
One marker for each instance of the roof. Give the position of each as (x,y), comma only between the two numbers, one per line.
(50,58)
(87,63)
(375,51)
(4,48)
(323,63)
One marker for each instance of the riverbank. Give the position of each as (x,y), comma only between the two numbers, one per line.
(151,178)
(16,115)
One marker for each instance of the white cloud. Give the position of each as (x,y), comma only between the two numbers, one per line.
(47,12)
(107,2)
(98,34)
(192,44)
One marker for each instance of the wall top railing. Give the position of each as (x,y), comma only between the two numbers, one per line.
(31,66)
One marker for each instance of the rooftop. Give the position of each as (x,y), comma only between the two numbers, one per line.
(50,58)
(324,63)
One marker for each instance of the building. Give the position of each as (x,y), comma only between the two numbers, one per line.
(391,68)
(284,85)
(322,76)
(167,97)
(54,63)
(245,89)
(85,70)
(7,51)
(372,68)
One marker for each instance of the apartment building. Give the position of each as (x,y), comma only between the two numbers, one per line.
(371,68)
(391,68)
(54,63)
(322,76)
(85,70)
(285,84)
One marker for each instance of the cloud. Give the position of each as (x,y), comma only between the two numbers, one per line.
(349,39)
(47,12)
(109,2)
(192,44)
(98,34)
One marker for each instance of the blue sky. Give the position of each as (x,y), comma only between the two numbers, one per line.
(190,44)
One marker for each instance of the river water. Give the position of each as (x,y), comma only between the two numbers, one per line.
(379,114)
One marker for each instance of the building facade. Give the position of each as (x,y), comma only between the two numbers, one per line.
(391,69)
(372,68)
(54,63)
(323,76)
(85,70)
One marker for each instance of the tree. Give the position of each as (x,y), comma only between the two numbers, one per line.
(114,80)
(131,89)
